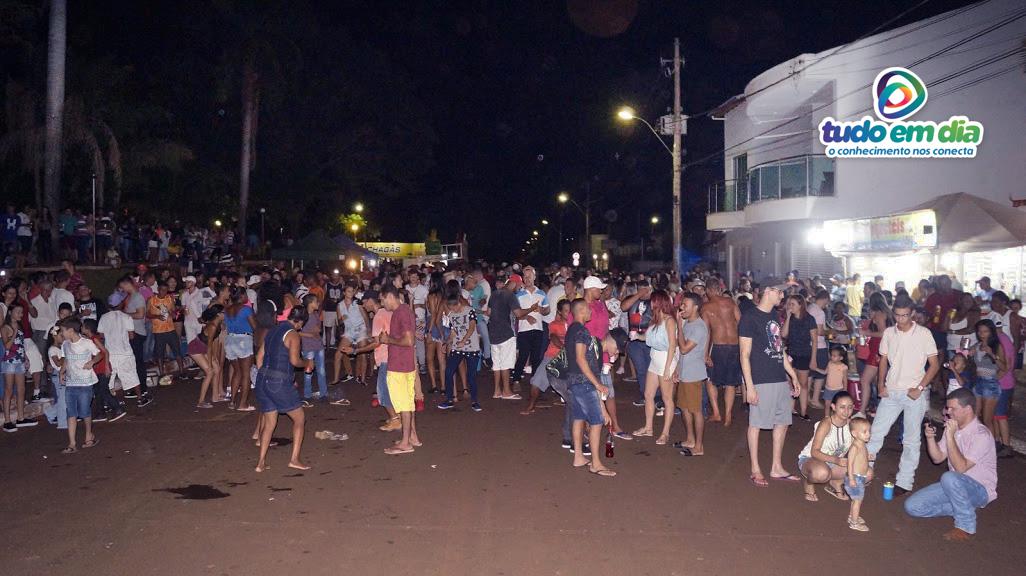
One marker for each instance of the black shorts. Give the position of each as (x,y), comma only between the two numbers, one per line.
(822,359)
(164,340)
(726,368)
(800,362)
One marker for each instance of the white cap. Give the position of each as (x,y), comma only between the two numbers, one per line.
(254,279)
(593,282)
(188,279)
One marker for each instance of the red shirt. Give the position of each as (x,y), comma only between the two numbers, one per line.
(102,366)
(947,303)
(598,326)
(400,358)
(557,327)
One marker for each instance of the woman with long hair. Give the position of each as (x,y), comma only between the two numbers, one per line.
(800,334)
(434,341)
(313,349)
(199,350)
(238,347)
(353,320)
(880,318)
(991,366)
(661,338)
(13,367)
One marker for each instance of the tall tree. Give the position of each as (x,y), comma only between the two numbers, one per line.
(56,52)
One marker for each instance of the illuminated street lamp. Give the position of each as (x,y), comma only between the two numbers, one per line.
(545,222)
(655,220)
(358,207)
(626,113)
(534,232)
(217,223)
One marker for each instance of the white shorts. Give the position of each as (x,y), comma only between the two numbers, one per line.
(657,362)
(35,359)
(329,318)
(504,355)
(122,370)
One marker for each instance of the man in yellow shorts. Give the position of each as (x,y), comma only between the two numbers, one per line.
(401,367)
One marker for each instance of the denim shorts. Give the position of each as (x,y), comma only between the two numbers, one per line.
(1004,403)
(607,381)
(586,403)
(79,400)
(859,491)
(238,346)
(986,388)
(12,367)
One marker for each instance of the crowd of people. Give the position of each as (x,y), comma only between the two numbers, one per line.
(867,358)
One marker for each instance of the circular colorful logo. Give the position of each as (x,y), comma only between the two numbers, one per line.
(898,93)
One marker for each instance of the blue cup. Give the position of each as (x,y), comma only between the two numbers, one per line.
(888,491)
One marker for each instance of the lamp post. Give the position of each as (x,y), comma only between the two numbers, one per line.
(627,114)
(564,199)
(358,207)
(355,228)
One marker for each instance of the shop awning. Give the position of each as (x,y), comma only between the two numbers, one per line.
(969,223)
(319,246)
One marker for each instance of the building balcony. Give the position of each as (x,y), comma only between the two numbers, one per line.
(742,202)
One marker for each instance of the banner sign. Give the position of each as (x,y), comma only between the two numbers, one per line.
(896,233)
(396,249)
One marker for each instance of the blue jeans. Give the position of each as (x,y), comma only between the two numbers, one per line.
(896,404)
(383,397)
(322,376)
(638,352)
(956,495)
(452,365)
(482,329)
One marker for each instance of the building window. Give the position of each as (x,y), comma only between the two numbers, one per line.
(821,180)
(769,187)
(792,180)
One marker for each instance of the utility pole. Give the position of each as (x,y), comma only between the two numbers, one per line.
(677,167)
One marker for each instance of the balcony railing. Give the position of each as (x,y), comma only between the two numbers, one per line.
(798,177)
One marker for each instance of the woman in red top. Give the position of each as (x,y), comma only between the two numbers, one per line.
(880,318)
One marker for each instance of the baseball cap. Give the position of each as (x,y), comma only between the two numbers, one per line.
(838,277)
(698,282)
(116,298)
(515,278)
(188,279)
(593,282)
(780,287)
(254,279)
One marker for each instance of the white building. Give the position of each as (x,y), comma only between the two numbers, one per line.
(779,188)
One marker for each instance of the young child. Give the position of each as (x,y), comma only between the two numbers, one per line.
(80,354)
(961,370)
(837,376)
(110,409)
(56,358)
(858,468)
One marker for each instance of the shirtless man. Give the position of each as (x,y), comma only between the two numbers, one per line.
(722,355)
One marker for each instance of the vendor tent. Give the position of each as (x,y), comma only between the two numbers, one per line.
(319,246)
(968,223)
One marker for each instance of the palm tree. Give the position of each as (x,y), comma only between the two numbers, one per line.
(56,52)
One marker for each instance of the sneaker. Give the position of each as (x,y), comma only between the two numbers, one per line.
(1006,452)
(144,401)
(391,425)
(567,445)
(348,378)
(585,450)
(446,405)
(10,427)
(131,394)
(100,417)
(660,411)
(638,403)
(677,412)
(420,405)
(27,423)
(622,436)
(117,416)
(476,407)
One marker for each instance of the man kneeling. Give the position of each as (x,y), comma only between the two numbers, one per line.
(971,479)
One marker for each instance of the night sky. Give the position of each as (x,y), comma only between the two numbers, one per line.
(470,116)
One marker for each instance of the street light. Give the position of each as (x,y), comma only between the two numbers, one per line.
(358,207)
(545,222)
(355,228)
(217,223)
(626,113)
(655,220)
(565,199)
(534,233)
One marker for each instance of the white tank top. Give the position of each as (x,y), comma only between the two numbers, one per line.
(836,443)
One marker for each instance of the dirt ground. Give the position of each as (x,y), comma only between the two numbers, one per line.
(488,493)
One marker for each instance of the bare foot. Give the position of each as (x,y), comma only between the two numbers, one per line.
(726,422)
(298,465)
(715,418)
(527,412)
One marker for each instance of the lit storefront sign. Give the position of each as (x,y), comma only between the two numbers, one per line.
(396,249)
(896,233)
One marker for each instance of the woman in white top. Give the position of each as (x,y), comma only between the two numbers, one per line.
(823,460)
(661,338)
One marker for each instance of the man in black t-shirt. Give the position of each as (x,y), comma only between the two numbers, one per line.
(333,290)
(770,382)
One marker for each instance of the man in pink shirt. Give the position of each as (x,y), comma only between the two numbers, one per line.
(971,479)
(598,327)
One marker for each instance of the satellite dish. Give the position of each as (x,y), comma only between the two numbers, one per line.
(611,215)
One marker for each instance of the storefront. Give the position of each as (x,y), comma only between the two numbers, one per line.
(962,235)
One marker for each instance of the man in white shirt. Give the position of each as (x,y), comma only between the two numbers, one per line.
(192,302)
(419,293)
(821,356)
(61,294)
(531,328)
(904,389)
(118,329)
(252,285)
(43,313)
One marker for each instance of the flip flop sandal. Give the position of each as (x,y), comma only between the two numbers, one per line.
(605,472)
(788,478)
(661,441)
(393,451)
(341,402)
(513,397)
(588,463)
(836,494)
(811,497)
(69,450)
(759,482)
(91,444)
(642,432)
(686,452)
